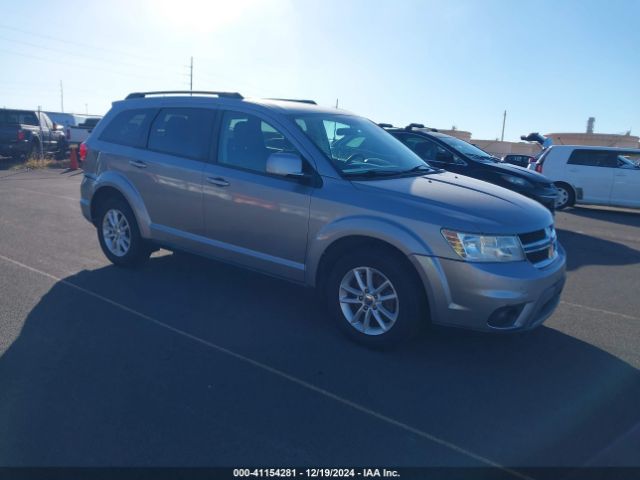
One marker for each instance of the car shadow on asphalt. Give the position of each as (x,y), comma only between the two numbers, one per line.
(583,250)
(89,383)
(623,217)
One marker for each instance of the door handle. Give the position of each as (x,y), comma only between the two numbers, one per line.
(137,164)
(218,181)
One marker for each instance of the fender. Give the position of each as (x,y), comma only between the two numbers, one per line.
(377,228)
(125,187)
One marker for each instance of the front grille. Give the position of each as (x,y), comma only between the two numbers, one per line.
(540,246)
(532,237)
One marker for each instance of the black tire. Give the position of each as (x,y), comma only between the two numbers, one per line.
(567,195)
(139,249)
(61,153)
(412,311)
(35,149)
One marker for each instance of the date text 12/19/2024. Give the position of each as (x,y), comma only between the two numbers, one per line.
(315,473)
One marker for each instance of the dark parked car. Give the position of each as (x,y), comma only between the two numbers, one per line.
(519,160)
(455,155)
(27,132)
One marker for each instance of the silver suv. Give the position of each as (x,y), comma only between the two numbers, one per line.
(391,242)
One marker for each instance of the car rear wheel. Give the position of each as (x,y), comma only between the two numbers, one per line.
(119,235)
(375,299)
(565,196)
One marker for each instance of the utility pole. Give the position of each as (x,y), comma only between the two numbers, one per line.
(504,120)
(86,108)
(40,145)
(61,98)
(336,103)
(191,76)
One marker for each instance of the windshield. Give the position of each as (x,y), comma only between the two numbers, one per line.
(631,159)
(468,149)
(357,146)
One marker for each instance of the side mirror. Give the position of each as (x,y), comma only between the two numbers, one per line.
(444,157)
(285,165)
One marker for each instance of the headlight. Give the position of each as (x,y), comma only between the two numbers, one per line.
(519,181)
(485,248)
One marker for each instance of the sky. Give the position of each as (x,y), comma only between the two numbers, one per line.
(549,64)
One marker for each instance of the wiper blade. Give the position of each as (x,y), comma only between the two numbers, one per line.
(372,173)
(483,157)
(418,168)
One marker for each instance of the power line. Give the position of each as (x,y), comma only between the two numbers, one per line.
(78,65)
(71,42)
(91,58)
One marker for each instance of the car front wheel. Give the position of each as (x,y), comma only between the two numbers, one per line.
(375,298)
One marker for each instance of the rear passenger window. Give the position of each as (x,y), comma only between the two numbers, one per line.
(184,132)
(594,158)
(129,128)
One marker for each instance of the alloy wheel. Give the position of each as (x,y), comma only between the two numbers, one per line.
(116,232)
(368,300)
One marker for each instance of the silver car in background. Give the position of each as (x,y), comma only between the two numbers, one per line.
(391,242)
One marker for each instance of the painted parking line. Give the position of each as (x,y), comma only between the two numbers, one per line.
(279,373)
(29,190)
(600,310)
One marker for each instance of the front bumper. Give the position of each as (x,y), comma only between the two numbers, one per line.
(468,295)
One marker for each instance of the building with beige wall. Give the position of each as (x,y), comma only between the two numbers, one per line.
(501,148)
(595,139)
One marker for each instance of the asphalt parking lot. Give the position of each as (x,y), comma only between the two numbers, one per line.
(189,362)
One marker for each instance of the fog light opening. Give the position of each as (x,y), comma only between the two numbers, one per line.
(505,317)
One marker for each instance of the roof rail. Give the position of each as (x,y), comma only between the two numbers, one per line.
(411,126)
(385,125)
(184,92)
(310,102)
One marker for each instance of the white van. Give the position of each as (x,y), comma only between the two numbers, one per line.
(592,175)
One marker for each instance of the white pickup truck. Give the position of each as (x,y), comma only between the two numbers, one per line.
(78,134)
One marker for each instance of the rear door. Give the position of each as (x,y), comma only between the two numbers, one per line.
(162,153)
(626,181)
(591,173)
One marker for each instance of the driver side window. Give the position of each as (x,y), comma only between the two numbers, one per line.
(429,150)
(246,142)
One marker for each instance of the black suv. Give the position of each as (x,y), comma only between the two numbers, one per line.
(455,155)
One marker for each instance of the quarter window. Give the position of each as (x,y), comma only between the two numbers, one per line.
(129,128)
(184,132)
(247,141)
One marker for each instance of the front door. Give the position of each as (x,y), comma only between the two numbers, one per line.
(591,171)
(626,182)
(251,217)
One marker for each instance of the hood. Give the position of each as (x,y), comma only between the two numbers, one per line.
(509,169)
(463,203)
